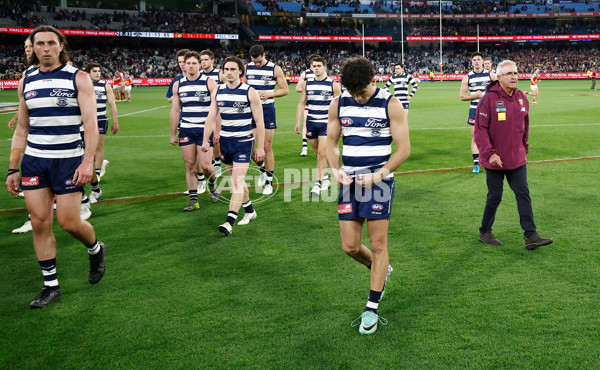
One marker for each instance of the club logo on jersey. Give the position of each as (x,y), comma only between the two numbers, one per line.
(30,94)
(62,102)
(375,123)
(70,182)
(185,139)
(346,121)
(30,181)
(521,102)
(376,133)
(221,104)
(344,208)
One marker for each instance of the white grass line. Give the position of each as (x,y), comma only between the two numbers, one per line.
(404,173)
(143,111)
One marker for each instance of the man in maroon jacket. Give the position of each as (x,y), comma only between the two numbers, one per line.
(501,134)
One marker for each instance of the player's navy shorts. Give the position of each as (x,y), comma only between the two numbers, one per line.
(314,130)
(54,173)
(102,126)
(375,203)
(233,150)
(270,117)
(472,115)
(189,136)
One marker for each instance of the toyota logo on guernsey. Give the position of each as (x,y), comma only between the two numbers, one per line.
(346,121)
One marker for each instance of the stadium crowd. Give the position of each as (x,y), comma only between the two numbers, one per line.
(422,7)
(33,15)
(160,62)
(425,28)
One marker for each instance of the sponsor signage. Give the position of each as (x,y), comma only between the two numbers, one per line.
(322,38)
(13,84)
(505,38)
(155,35)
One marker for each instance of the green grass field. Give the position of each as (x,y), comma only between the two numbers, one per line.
(280,293)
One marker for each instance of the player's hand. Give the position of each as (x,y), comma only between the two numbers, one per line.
(297,128)
(115,127)
(263,95)
(408,98)
(259,154)
(341,177)
(205,146)
(83,174)
(369,180)
(12,183)
(216,137)
(11,124)
(173,140)
(479,94)
(495,161)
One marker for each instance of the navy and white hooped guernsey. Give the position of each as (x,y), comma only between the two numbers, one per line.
(214,74)
(262,79)
(478,82)
(54,114)
(195,102)
(367,137)
(236,113)
(401,86)
(309,74)
(319,95)
(100,89)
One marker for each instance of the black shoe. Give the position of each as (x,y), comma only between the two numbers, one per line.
(535,240)
(48,295)
(489,238)
(97,265)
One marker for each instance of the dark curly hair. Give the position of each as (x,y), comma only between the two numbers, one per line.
(357,74)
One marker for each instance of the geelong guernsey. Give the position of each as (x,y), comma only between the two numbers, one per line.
(367,138)
(54,114)
(214,74)
(478,82)
(236,114)
(401,86)
(100,89)
(195,102)
(262,79)
(319,95)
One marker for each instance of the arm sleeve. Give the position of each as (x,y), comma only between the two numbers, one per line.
(482,126)
(526,134)
(388,84)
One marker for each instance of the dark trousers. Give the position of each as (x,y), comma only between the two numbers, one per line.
(593,84)
(517,180)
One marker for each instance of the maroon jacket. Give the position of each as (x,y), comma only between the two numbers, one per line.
(502,127)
